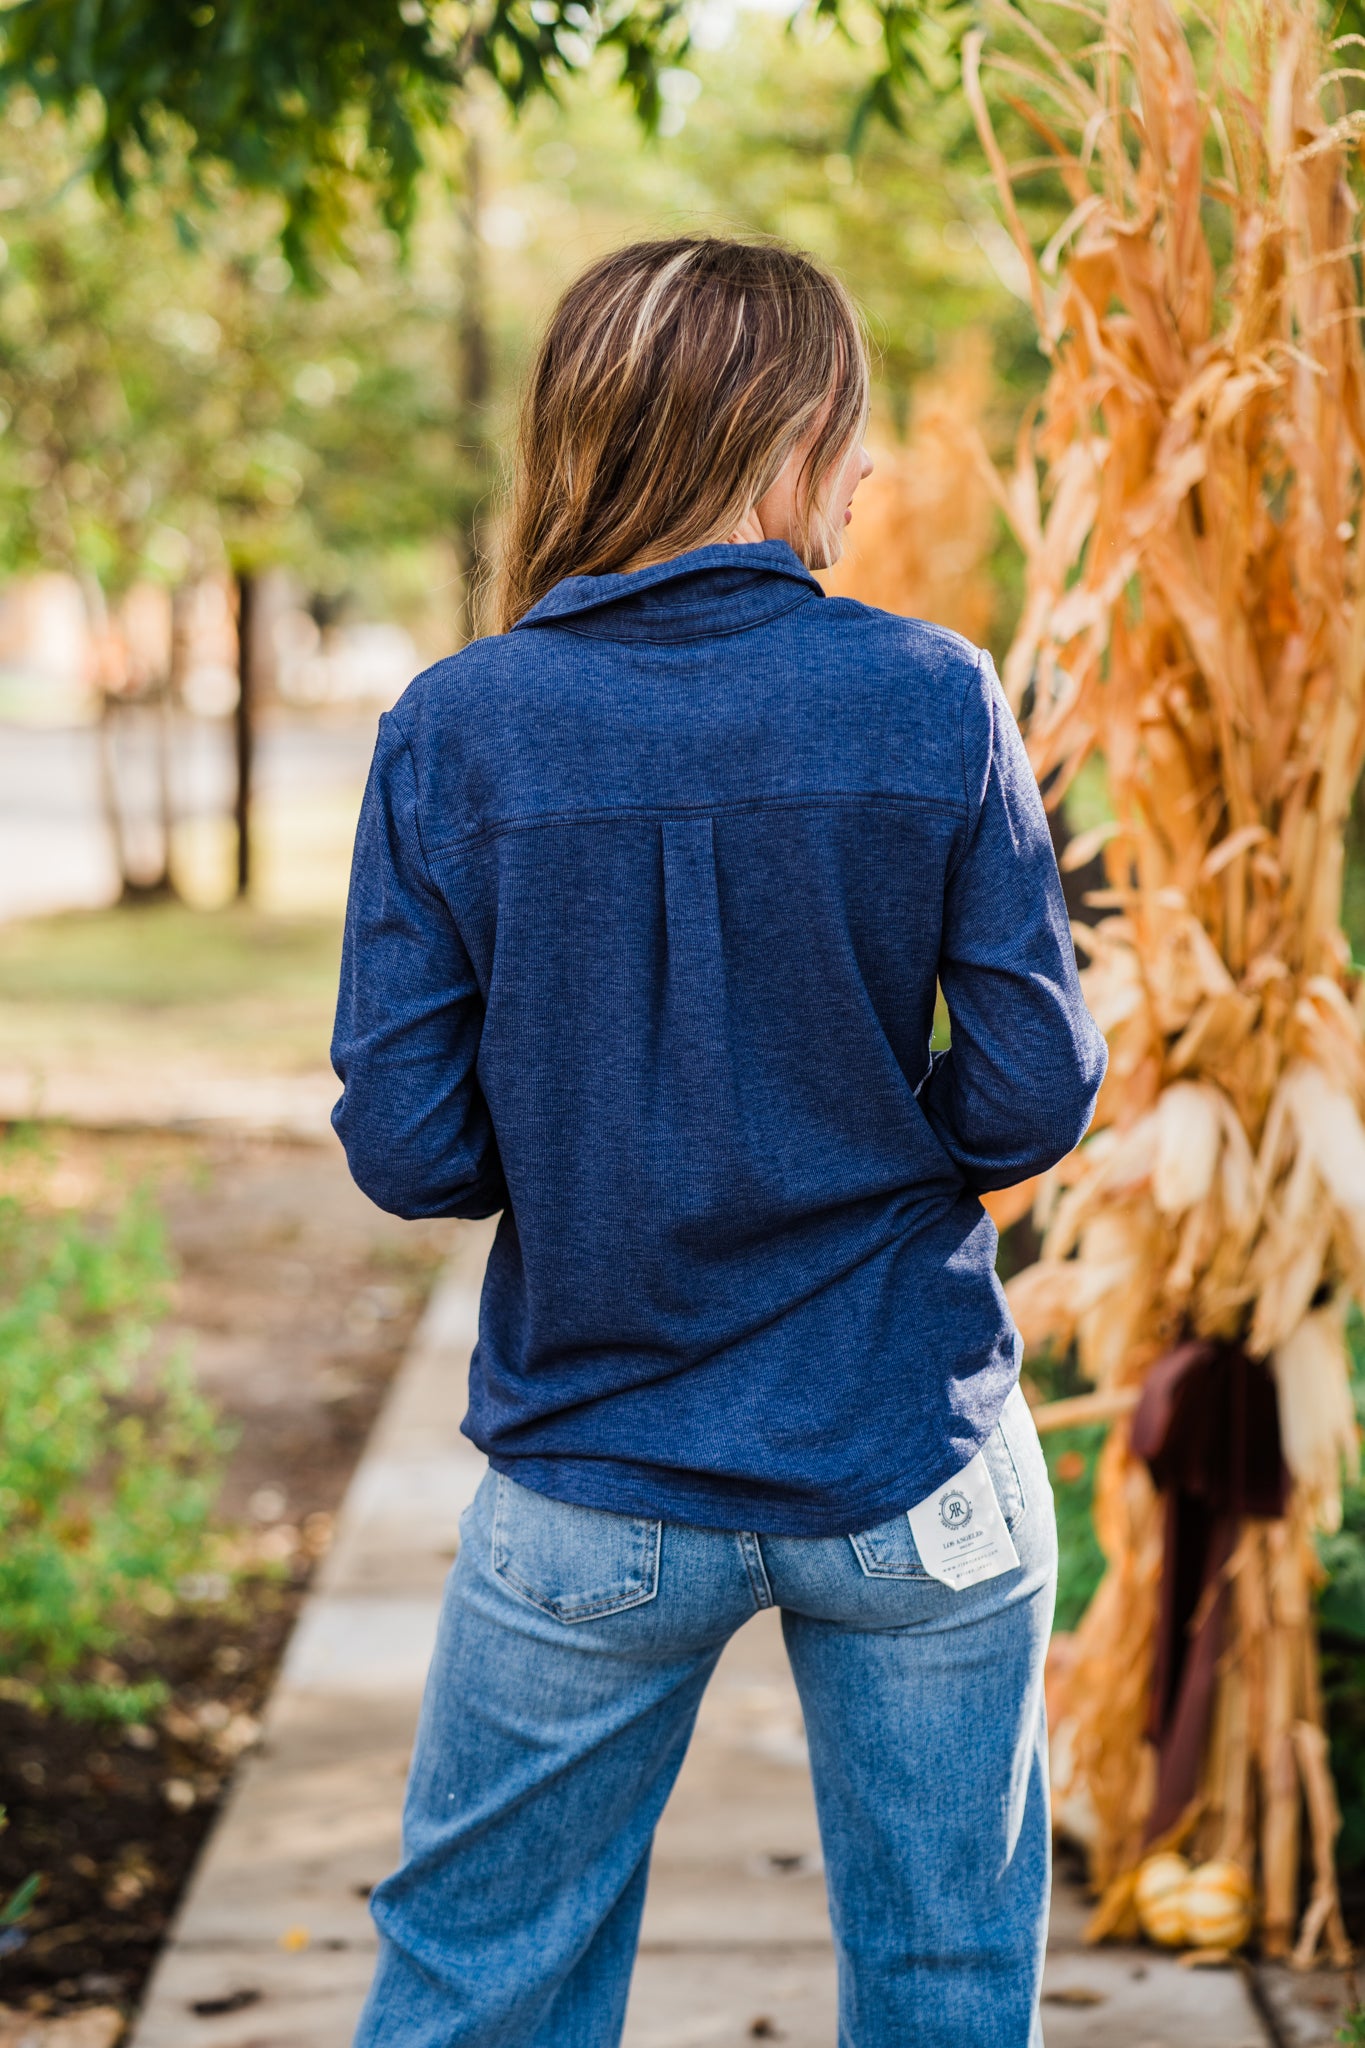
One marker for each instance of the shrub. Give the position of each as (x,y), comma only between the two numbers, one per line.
(106,1476)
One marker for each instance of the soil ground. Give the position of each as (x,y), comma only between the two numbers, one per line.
(295,1300)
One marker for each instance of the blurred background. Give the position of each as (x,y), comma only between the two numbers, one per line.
(239,509)
(243,500)
(249,486)
(214,473)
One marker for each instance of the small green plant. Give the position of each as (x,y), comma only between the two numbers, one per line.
(15,1908)
(1071,1455)
(1352,2028)
(106,1475)
(17,1904)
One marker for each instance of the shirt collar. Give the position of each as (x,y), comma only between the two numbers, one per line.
(717,589)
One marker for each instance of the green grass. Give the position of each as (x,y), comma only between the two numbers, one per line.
(149,990)
(158,956)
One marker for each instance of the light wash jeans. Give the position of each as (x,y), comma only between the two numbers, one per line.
(573,1652)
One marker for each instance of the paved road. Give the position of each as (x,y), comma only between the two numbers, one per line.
(54,848)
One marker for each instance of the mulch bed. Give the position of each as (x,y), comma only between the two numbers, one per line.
(113,1818)
(296,1299)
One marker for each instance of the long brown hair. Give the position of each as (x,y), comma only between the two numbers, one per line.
(673,381)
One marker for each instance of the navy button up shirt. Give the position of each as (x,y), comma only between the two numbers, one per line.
(651,899)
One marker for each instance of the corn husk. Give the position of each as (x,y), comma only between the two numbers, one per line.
(1188,501)
(1318,1426)
(924,522)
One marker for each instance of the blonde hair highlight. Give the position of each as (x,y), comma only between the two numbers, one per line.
(673,381)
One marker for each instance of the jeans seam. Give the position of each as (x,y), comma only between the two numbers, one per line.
(1018,1476)
(751,1551)
(872,1570)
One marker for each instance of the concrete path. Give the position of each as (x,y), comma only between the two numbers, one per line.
(180,1092)
(54,844)
(273,1947)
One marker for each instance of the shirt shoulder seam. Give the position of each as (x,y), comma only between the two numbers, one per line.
(971,810)
(978,681)
(423,853)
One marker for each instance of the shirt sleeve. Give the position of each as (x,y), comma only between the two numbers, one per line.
(1016,1089)
(416,1130)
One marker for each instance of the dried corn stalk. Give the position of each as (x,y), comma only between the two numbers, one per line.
(1196,559)
(924,522)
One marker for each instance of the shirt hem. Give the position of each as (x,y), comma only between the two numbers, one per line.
(615,1490)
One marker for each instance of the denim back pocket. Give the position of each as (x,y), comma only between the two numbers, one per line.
(574,1563)
(890,1552)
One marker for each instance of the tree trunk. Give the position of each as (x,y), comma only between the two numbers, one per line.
(244,723)
(473,384)
(158,885)
(109,794)
(165,736)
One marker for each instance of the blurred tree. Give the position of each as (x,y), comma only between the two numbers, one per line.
(302,102)
(754,138)
(473,373)
(320,110)
(316,107)
(173,409)
(756,135)
(76,485)
(308,427)
(185,111)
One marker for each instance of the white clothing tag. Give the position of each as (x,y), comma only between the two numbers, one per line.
(959,1531)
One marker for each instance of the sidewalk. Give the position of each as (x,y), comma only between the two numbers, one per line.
(273,1948)
(171,1092)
